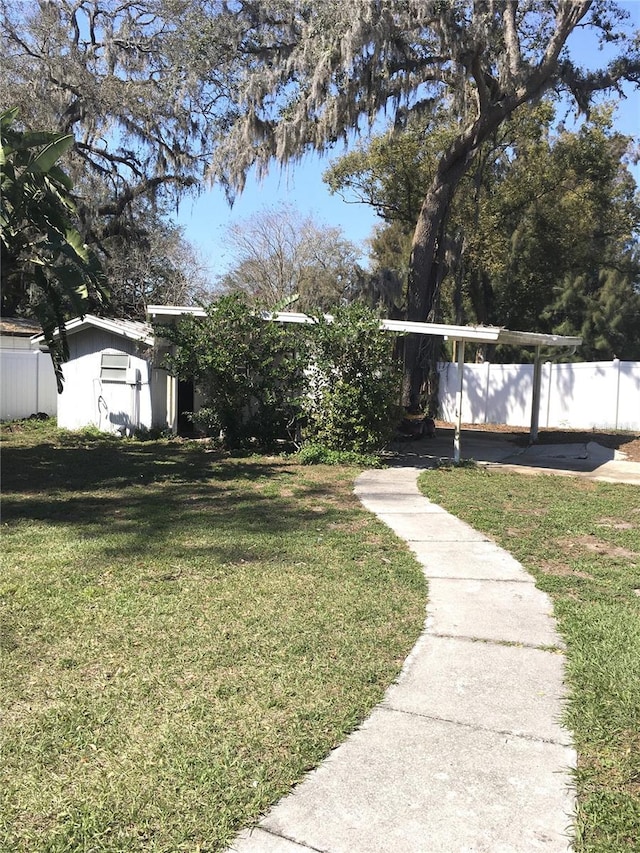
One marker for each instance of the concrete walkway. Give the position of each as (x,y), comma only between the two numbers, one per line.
(465,752)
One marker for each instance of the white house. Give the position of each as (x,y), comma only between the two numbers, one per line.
(111,380)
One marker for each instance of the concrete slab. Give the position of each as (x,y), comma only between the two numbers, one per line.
(490,686)
(618,472)
(396,480)
(256,839)
(455,788)
(393,490)
(429,527)
(559,451)
(590,460)
(478,560)
(413,504)
(503,611)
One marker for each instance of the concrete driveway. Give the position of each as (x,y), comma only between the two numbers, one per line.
(498,448)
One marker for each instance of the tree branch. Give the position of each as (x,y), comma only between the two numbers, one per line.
(512,42)
(149,186)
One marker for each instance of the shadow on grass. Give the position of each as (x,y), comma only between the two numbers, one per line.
(101,464)
(132,495)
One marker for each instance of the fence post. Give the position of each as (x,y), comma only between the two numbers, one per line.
(616,364)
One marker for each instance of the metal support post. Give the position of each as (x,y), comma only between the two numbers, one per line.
(456,437)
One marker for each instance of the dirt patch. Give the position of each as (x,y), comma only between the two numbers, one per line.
(593,545)
(560,569)
(615,524)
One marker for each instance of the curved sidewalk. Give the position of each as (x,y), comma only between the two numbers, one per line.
(465,752)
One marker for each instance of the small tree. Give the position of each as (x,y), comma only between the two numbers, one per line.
(47,269)
(246,369)
(354,382)
(280,255)
(257,377)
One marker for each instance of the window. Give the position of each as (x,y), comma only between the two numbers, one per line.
(114,367)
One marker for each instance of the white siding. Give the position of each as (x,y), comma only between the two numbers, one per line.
(27,384)
(86,399)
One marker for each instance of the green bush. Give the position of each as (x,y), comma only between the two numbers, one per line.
(248,371)
(353,382)
(261,380)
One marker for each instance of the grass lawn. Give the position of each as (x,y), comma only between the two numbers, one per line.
(183,635)
(581,541)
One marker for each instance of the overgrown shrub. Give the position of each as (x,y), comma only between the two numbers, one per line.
(353,382)
(259,380)
(247,370)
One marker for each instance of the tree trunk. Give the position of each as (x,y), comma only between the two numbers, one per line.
(427,258)
(494,107)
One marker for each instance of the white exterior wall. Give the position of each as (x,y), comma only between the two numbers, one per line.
(87,400)
(27,384)
(587,395)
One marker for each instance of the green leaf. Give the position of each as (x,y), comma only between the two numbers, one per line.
(74,239)
(8,117)
(50,154)
(56,174)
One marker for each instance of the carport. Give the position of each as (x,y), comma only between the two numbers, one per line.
(460,334)
(473,334)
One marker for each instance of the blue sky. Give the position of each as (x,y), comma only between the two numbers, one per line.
(207,218)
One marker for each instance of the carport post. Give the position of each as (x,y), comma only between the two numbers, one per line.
(456,435)
(535,399)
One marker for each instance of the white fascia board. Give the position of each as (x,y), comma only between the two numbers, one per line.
(154,311)
(470,333)
(534,339)
(483,334)
(478,334)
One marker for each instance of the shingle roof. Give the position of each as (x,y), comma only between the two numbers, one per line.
(18,326)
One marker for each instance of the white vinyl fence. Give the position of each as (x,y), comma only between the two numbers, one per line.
(588,395)
(27,384)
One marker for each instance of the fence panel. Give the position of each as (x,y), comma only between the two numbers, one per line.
(584,395)
(27,384)
(627,412)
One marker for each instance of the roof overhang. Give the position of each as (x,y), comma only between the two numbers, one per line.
(475,334)
(155,312)
(18,327)
(131,329)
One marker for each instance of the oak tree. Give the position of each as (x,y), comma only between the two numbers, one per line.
(545,223)
(319,70)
